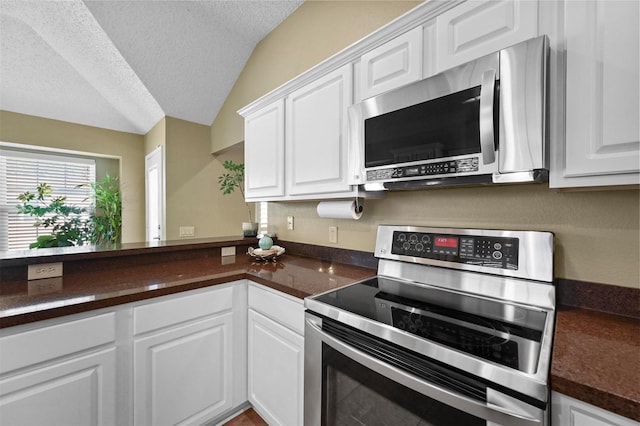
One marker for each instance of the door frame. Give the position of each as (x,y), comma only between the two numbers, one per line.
(156,157)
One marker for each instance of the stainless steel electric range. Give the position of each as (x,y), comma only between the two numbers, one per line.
(456,329)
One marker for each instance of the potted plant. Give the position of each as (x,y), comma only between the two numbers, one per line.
(107,214)
(66,223)
(230,181)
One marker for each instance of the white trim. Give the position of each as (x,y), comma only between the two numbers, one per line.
(26,147)
(46,157)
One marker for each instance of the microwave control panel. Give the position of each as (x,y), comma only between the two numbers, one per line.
(463,165)
(493,252)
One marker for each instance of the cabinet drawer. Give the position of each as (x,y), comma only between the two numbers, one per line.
(54,341)
(165,313)
(287,311)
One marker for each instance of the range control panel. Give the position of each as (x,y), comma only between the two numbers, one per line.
(494,252)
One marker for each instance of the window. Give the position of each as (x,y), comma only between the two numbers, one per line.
(263,216)
(23,171)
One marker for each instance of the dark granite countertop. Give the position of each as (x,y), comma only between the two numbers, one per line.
(99,285)
(596,355)
(596,359)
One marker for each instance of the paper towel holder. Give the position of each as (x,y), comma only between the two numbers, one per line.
(358,205)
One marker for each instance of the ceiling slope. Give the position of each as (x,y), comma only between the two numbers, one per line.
(123,65)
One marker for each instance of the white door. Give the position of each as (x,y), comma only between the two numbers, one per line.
(276,371)
(316,136)
(264,152)
(77,391)
(154,190)
(477,28)
(603,101)
(183,375)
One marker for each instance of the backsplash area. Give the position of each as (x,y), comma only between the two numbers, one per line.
(596,232)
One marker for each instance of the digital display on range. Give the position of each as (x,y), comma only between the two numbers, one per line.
(449,242)
(446,245)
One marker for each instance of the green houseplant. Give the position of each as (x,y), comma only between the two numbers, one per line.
(107,215)
(231,180)
(67,224)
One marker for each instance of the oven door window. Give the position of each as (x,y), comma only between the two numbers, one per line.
(355,395)
(440,128)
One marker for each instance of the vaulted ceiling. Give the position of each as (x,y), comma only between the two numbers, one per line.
(124,64)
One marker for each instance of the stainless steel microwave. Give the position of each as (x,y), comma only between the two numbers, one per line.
(482,122)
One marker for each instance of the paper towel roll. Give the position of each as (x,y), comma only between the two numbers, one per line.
(339,210)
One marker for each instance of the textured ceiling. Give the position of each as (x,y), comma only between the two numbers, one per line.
(123,65)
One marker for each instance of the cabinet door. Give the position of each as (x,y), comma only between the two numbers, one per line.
(602,93)
(567,411)
(79,391)
(276,368)
(477,28)
(264,152)
(394,64)
(183,375)
(316,135)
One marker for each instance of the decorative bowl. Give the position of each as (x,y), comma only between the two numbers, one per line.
(266,255)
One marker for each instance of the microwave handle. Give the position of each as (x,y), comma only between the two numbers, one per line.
(487,140)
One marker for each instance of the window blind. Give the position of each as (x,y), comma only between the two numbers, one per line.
(24,171)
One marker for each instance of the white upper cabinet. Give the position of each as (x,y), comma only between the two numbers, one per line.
(264,152)
(394,64)
(316,136)
(602,145)
(477,28)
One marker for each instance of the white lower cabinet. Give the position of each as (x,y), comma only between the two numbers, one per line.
(59,373)
(276,356)
(567,411)
(183,358)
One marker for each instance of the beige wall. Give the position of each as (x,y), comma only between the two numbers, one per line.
(314,32)
(128,147)
(192,190)
(596,232)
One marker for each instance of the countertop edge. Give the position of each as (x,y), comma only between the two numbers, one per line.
(625,407)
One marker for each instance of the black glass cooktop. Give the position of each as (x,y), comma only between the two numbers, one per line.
(496,331)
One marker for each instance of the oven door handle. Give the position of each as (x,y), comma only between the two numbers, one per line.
(489,411)
(487,138)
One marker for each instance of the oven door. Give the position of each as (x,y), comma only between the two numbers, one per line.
(354,378)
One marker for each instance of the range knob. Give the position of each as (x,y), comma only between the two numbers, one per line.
(413,238)
(402,237)
(426,239)
(419,247)
(497,255)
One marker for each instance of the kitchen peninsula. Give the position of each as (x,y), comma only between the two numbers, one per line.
(98,280)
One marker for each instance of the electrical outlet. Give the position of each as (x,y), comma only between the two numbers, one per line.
(44,270)
(333,234)
(289,223)
(228,251)
(187,231)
